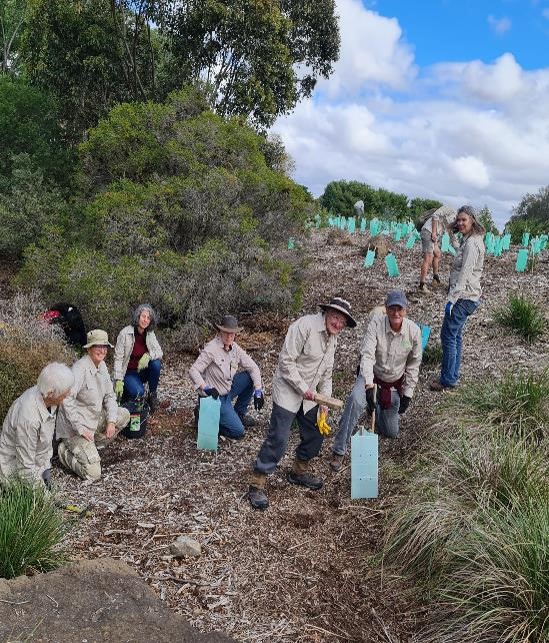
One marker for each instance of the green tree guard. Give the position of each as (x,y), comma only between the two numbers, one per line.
(522,260)
(369,258)
(392,266)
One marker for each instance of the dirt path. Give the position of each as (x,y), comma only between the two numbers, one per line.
(304,570)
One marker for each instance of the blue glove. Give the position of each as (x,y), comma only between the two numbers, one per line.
(258,399)
(448,308)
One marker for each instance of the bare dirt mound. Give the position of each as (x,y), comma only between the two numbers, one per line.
(92,601)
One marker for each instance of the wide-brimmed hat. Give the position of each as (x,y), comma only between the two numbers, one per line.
(97,337)
(229,324)
(396,298)
(342,306)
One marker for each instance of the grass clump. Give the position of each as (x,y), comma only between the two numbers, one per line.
(432,355)
(523,317)
(517,404)
(32,528)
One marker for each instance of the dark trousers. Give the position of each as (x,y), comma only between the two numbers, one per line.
(276,442)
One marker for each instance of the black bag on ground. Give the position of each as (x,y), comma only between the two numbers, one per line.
(139,414)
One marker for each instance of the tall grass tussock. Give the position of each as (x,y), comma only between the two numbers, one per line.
(32,528)
(523,317)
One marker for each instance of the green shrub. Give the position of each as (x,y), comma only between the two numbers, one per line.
(32,528)
(523,316)
(432,355)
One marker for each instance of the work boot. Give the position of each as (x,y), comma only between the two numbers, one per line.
(257,498)
(298,475)
(336,462)
(153,401)
(247,420)
(436,279)
(436,385)
(423,288)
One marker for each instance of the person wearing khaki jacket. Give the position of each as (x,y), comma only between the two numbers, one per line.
(28,428)
(390,358)
(90,417)
(215,374)
(137,357)
(305,366)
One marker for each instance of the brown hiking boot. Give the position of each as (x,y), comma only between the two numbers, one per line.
(298,475)
(257,498)
(247,420)
(435,385)
(336,462)
(423,288)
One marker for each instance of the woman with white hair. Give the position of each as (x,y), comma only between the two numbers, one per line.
(137,357)
(27,433)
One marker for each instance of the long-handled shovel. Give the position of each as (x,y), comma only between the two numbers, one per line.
(364,461)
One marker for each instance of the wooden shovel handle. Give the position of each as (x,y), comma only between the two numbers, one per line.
(330,402)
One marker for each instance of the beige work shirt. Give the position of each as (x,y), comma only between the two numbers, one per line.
(467,269)
(27,435)
(92,391)
(216,367)
(306,361)
(389,355)
(124,347)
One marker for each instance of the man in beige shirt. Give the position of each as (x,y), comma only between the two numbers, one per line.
(27,433)
(90,417)
(215,373)
(390,358)
(431,232)
(304,368)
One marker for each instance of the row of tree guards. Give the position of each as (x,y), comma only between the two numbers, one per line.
(495,245)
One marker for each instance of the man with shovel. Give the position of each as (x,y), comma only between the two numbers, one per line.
(304,370)
(390,358)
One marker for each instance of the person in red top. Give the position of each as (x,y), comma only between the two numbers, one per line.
(137,357)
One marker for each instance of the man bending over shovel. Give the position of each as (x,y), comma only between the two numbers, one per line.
(304,369)
(390,358)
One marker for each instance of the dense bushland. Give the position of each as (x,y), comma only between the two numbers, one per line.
(179,207)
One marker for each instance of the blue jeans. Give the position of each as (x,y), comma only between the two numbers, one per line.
(134,382)
(242,389)
(451,339)
(387,420)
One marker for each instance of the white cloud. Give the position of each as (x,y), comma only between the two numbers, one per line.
(499,25)
(461,133)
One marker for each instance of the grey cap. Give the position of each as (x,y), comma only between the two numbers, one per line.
(396,298)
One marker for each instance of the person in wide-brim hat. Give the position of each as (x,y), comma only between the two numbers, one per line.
(341,305)
(215,373)
(97,337)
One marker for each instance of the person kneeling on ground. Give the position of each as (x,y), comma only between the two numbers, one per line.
(431,231)
(214,374)
(137,358)
(390,358)
(90,418)
(305,366)
(26,442)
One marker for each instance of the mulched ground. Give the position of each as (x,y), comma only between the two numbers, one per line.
(308,568)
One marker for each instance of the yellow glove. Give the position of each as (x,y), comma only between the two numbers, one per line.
(323,426)
(143,362)
(119,388)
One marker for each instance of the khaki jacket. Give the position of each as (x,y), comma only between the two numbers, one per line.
(306,361)
(216,367)
(91,393)
(26,438)
(467,269)
(124,348)
(389,355)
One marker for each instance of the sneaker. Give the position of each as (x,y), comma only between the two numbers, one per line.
(153,401)
(336,462)
(305,480)
(247,421)
(257,498)
(423,288)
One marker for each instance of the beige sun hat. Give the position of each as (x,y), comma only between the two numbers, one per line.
(97,337)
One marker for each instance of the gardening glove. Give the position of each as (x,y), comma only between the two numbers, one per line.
(211,392)
(119,389)
(404,404)
(370,399)
(448,308)
(259,400)
(143,363)
(323,427)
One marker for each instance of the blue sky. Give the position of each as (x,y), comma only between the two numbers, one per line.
(434,98)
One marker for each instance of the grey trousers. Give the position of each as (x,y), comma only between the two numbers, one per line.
(276,442)
(387,420)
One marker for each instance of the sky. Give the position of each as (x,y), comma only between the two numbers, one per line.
(438,99)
